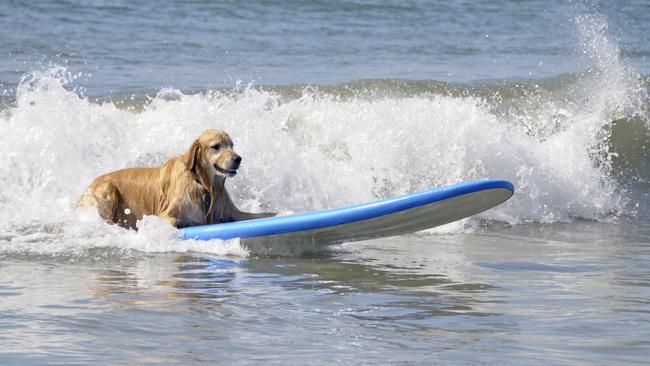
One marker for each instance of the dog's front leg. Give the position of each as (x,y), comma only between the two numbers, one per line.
(240,216)
(250,216)
(232,212)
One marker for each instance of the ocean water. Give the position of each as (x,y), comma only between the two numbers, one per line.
(330,103)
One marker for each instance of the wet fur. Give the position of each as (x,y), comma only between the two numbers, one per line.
(174,191)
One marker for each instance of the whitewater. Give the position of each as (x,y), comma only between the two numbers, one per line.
(321,149)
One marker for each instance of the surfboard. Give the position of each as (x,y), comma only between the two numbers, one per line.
(388,217)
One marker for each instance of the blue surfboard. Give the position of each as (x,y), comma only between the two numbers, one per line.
(394,216)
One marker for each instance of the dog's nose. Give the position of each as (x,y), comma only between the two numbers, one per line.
(237,161)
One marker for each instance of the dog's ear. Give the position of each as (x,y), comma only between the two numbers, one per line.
(193,155)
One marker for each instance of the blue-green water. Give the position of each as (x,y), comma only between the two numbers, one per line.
(330,103)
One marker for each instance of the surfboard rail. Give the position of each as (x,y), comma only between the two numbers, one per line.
(321,219)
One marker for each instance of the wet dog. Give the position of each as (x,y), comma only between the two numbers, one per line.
(187,190)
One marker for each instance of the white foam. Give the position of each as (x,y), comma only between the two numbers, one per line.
(313,152)
(95,239)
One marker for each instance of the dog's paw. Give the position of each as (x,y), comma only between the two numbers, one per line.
(285,213)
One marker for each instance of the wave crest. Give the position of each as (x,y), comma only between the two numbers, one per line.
(318,148)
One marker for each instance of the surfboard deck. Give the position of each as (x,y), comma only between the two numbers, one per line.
(393,216)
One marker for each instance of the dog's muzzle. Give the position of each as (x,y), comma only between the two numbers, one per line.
(232,169)
(228,172)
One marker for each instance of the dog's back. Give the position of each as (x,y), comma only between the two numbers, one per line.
(125,196)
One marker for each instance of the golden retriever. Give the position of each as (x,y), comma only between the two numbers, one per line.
(187,190)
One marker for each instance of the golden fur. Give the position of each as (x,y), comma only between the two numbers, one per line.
(175,191)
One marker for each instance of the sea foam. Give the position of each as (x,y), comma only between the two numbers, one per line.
(318,150)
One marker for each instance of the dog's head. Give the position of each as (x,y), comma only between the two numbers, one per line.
(212,154)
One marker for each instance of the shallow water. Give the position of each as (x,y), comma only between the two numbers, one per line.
(330,103)
(552,294)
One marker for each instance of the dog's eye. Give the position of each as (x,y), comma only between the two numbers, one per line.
(216,147)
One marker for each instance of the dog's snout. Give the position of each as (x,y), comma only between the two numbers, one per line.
(237,161)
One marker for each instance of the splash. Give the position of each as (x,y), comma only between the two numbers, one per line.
(88,238)
(318,150)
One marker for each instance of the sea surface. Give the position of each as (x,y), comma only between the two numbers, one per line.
(330,103)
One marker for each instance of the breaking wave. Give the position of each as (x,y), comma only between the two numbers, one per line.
(565,142)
